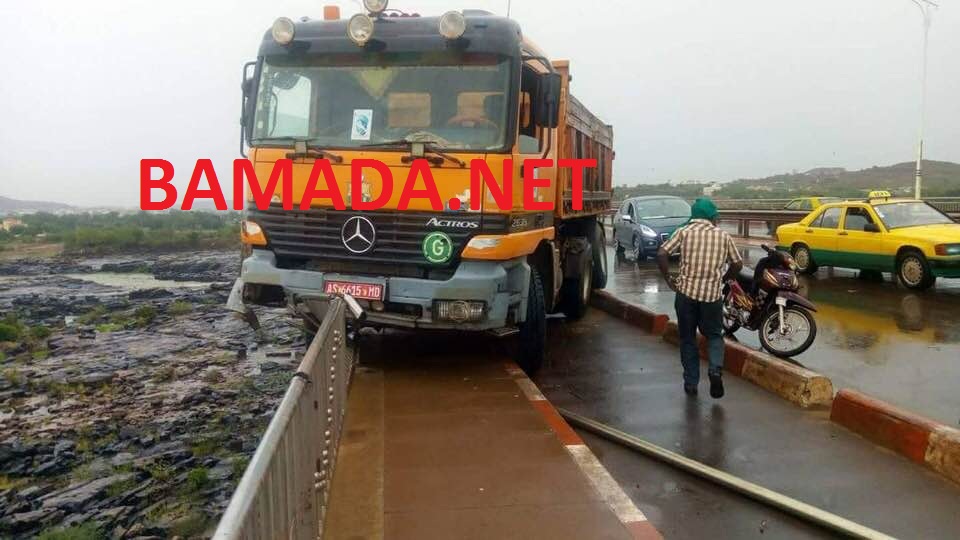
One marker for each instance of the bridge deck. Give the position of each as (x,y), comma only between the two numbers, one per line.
(442,445)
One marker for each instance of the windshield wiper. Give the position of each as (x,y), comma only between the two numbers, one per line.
(302,149)
(428,146)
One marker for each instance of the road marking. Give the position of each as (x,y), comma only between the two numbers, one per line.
(603,483)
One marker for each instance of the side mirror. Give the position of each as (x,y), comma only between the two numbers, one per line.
(626,217)
(246,105)
(548,100)
(871,227)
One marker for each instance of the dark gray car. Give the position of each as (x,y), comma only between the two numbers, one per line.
(644,223)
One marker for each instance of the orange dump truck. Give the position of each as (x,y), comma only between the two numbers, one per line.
(397,87)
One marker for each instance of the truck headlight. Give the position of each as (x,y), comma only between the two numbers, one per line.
(375,6)
(458,310)
(283,31)
(452,25)
(360,29)
(647,231)
(251,233)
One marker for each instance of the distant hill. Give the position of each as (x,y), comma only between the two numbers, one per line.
(940,178)
(8,205)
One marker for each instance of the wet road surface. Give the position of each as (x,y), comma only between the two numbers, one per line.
(605,369)
(874,336)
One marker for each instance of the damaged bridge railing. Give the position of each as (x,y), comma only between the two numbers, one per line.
(284,491)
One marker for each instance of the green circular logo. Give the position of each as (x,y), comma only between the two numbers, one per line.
(437,247)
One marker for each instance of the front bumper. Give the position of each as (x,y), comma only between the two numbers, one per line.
(946,267)
(501,285)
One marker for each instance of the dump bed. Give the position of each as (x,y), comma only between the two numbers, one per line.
(583,136)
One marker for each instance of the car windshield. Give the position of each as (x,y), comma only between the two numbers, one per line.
(910,214)
(453,100)
(662,208)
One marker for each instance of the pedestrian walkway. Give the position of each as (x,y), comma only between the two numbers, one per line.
(442,442)
(603,368)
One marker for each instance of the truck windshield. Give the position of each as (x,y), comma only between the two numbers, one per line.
(910,214)
(456,101)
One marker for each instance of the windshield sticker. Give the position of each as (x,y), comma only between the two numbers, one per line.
(362,124)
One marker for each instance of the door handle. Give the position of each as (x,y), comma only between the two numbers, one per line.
(842,233)
(809,230)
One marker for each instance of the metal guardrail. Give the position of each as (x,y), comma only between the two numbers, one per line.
(284,491)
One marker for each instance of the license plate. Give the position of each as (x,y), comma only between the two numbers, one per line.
(781,301)
(364,291)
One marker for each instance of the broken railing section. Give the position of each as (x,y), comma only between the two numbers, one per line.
(284,491)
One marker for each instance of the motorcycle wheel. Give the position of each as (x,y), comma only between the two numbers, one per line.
(729,322)
(801,330)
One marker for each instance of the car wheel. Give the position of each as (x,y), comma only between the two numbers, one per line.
(638,253)
(914,271)
(804,259)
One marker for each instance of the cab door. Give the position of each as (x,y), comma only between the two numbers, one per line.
(822,235)
(860,242)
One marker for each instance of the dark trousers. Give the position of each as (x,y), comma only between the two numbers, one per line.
(708,317)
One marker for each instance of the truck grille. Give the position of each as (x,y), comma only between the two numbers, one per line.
(312,239)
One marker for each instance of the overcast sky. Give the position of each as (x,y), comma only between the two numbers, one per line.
(695,89)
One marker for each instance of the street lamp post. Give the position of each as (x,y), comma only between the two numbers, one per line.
(926,9)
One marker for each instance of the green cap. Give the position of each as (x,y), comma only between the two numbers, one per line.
(704,208)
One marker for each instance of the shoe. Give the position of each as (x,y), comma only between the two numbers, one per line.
(690,389)
(716,386)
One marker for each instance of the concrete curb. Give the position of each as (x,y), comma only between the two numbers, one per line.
(916,437)
(597,475)
(655,323)
(796,384)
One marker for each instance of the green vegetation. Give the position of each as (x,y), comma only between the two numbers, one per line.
(113,232)
(145,314)
(180,307)
(87,531)
(197,479)
(191,525)
(40,332)
(121,487)
(93,315)
(109,327)
(161,471)
(10,330)
(10,483)
(239,466)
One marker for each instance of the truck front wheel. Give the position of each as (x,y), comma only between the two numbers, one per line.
(533,331)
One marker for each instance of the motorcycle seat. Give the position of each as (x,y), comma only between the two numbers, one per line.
(745,278)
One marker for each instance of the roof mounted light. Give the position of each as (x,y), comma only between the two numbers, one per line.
(283,31)
(375,6)
(452,25)
(360,29)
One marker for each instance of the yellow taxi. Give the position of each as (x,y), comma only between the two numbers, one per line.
(908,237)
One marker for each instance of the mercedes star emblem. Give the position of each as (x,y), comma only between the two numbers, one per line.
(358,235)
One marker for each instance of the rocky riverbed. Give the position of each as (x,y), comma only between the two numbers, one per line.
(130,399)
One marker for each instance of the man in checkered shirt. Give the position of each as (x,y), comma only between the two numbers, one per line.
(705,250)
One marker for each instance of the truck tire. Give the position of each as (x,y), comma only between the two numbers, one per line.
(575,292)
(533,331)
(598,242)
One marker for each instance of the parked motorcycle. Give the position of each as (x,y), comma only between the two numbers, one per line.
(766,300)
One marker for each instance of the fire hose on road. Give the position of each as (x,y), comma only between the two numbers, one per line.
(771,498)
